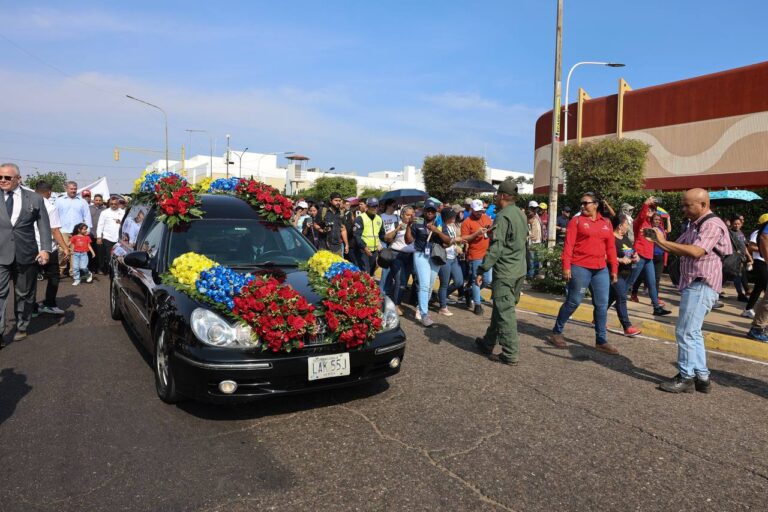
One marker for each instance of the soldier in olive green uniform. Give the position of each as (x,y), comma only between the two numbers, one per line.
(506,255)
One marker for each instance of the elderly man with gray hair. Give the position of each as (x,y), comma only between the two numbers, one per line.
(19,254)
(72,211)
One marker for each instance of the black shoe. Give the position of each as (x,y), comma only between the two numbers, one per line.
(678,385)
(478,310)
(502,360)
(468,298)
(703,386)
(481,346)
(660,311)
(742,298)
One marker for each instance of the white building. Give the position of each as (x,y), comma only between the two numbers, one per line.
(294,177)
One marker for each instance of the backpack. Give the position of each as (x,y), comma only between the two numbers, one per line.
(732,263)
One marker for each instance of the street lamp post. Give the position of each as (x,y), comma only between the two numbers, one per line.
(568,83)
(210,140)
(227,156)
(166,124)
(240,159)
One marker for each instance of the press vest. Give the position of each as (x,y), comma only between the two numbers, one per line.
(371,229)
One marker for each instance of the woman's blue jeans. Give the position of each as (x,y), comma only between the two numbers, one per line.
(581,279)
(451,270)
(645,266)
(426,271)
(397,277)
(487,277)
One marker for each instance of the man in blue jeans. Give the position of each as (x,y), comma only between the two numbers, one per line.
(701,280)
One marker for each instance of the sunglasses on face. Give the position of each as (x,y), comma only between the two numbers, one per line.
(585,203)
(7,178)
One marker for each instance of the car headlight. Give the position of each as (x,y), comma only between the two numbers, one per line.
(391,319)
(214,330)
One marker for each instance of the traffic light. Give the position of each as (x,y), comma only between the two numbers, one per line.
(117,154)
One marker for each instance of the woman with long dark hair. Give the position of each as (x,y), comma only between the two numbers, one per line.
(588,252)
(626,255)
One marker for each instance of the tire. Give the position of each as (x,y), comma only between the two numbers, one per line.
(114,306)
(165,383)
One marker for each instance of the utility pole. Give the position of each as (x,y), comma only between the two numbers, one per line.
(227,156)
(554,170)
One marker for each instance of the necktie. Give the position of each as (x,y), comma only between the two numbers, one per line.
(9,203)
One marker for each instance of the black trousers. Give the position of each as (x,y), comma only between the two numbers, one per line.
(368,263)
(761,280)
(51,273)
(103,253)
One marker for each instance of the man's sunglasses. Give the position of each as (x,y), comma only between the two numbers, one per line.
(7,178)
(585,203)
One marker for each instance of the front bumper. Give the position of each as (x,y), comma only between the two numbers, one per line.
(198,371)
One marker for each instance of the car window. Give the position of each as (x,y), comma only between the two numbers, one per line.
(134,219)
(240,242)
(151,242)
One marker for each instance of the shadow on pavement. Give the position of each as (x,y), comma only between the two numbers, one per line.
(733,380)
(13,387)
(283,405)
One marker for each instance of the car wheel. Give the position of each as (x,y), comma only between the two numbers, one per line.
(165,384)
(114,306)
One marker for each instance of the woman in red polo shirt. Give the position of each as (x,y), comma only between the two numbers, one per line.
(588,252)
(644,249)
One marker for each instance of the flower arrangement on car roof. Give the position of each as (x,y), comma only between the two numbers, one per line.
(279,317)
(179,202)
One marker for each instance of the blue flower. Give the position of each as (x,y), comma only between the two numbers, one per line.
(220,284)
(223,185)
(151,179)
(338,268)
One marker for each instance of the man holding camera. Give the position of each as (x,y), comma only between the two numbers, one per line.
(644,249)
(701,280)
(333,226)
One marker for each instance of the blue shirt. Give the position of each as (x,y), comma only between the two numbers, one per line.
(420,234)
(73,211)
(491,211)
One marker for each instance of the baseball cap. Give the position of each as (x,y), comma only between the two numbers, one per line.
(627,206)
(533,204)
(477,205)
(86,192)
(430,204)
(763,219)
(567,209)
(468,201)
(372,201)
(302,204)
(543,206)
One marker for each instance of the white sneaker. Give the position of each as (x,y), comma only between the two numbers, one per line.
(748,313)
(76,282)
(445,312)
(418,314)
(51,310)
(427,322)
(90,278)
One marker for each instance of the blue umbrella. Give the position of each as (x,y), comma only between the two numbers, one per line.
(728,197)
(404,195)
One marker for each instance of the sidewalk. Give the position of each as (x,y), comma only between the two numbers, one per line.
(724,329)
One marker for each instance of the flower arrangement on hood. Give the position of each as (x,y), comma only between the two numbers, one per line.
(176,202)
(223,185)
(271,204)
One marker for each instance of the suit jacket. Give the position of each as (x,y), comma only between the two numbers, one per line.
(17,241)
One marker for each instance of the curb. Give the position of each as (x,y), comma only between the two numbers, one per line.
(712,340)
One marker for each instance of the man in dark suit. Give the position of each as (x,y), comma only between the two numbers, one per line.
(19,255)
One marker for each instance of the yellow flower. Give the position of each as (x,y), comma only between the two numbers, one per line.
(203,185)
(322,260)
(138,182)
(187,267)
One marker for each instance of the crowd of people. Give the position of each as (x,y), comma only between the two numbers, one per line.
(467,247)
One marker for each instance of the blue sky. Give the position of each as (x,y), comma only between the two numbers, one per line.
(357,85)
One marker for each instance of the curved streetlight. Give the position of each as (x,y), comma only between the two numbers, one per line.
(240,159)
(568,83)
(166,124)
(210,139)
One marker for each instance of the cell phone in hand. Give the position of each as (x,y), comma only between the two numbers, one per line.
(650,233)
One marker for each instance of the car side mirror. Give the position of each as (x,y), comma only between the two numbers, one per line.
(137,259)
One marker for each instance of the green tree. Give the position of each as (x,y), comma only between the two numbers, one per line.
(373,192)
(442,171)
(325,186)
(57,180)
(610,167)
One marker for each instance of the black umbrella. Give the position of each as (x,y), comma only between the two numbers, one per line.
(474,186)
(404,195)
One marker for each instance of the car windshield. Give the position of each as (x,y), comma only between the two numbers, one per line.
(241,243)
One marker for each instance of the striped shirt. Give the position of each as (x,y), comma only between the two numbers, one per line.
(709,235)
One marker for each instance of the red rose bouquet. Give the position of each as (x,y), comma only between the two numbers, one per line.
(271,204)
(353,308)
(279,316)
(176,201)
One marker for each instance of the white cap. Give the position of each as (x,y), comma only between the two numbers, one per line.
(477,205)
(533,204)
(302,204)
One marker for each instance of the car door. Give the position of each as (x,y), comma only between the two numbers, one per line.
(139,283)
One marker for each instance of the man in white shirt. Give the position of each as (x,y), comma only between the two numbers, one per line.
(108,232)
(58,250)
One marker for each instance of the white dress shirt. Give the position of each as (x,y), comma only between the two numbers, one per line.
(109,224)
(53,219)
(16,204)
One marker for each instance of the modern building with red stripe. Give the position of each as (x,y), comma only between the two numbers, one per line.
(709,131)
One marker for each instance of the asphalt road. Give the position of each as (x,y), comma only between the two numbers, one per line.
(82,429)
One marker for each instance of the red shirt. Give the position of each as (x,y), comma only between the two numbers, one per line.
(642,246)
(479,246)
(590,244)
(80,243)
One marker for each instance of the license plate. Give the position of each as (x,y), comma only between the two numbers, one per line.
(324,367)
